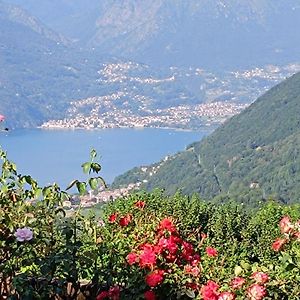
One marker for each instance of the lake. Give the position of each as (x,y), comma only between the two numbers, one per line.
(56,155)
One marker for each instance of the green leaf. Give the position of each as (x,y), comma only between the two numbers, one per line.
(86,167)
(100,180)
(81,187)
(38,193)
(190,294)
(93,154)
(71,184)
(245,265)
(93,182)
(96,167)
(237,270)
(60,211)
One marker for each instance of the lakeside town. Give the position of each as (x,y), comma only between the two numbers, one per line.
(179,117)
(134,96)
(101,196)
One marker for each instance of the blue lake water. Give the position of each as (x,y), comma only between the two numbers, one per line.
(56,155)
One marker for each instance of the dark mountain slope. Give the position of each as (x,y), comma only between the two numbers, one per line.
(254,153)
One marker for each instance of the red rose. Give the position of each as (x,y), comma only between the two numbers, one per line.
(256,292)
(277,245)
(187,251)
(195,271)
(102,295)
(195,259)
(140,204)
(112,218)
(131,258)
(237,282)
(114,293)
(211,252)
(192,286)
(169,244)
(147,257)
(210,291)
(149,295)
(124,221)
(155,278)
(167,224)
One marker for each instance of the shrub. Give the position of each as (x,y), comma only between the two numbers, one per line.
(146,246)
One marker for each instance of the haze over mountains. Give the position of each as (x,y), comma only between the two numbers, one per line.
(52,51)
(210,33)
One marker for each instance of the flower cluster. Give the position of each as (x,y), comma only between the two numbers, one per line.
(167,255)
(256,289)
(163,255)
(289,230)
(123,220)
(209,291)
(168,248)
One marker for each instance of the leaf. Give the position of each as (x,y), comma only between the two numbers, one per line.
(93,182)
(101,180)
(245,265)
(190,294)
(93,154)
(60,211)
(81,187)
(96,167)
(71,184)
(237,270)
(86,167)
(38,193)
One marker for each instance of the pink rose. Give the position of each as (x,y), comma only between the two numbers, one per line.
(277,245)
(285,225)
(237,282)
(226,296)
(260,277)
(24,234)
(256,292)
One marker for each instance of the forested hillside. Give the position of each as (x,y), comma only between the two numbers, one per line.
(255,154)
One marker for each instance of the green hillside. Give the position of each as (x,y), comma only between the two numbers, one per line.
(254,154)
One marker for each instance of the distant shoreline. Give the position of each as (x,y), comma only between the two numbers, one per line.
(202,128)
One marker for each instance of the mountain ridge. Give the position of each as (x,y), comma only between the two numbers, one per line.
(222,34)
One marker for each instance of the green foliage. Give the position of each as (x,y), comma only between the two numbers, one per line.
(48,254)
(62,250)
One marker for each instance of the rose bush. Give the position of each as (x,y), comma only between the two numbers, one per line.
(146,246)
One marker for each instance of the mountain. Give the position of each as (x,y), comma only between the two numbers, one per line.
(253,155)
(75,19)
(48,71)
(209,33)
(39,72)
